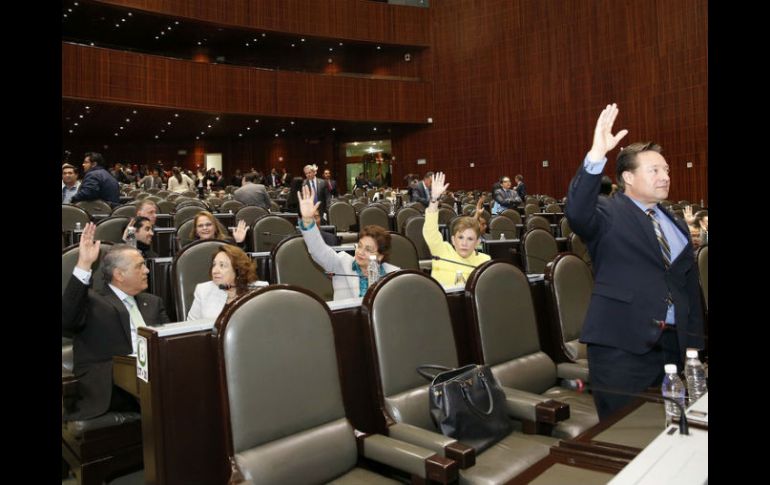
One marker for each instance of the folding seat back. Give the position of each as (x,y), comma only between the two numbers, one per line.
(185,214)
(375,216)
(95,207)
(413,231)
(570,282)
(538,248)
(403,215)
(268,231)
(250,214)
(71,215)
(402,252)
(230,205)
(284,412)
(111,229)
(512,214)
(293,265)
(502,225)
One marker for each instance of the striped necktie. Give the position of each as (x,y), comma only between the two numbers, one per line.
(664,247)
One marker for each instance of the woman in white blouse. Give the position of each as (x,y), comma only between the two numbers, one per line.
(231,272)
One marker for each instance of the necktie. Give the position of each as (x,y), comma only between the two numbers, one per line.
(136,319)
(664,247)
(315,191)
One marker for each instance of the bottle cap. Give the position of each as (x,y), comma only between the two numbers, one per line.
(670,368)
(459,271)
(692,353)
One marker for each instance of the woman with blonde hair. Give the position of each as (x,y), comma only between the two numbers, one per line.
(206,226)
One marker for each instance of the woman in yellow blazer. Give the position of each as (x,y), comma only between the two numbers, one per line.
(464,240)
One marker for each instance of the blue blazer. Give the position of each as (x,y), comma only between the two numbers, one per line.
(631,283)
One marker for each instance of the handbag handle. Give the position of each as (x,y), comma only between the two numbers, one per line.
(467,397)
(428,375)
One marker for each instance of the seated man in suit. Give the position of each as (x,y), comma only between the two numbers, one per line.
(103,322)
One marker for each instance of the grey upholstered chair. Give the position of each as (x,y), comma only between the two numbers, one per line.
(71,215)
(502,225)
(127,210)
(530,209)
(409,325)
(569,282)
(268,231)
(182,237)
(538,221)
(564,227)
(403,215)
(166,207)
(185,214)
(505,332)
(553,208)
(343,216)
(190,267)
(191,203)
(512,214)
(250,214)
(579,248)
(413,231)
(95,207)
(111,229)
(538,248)
(402,252)
(230,205)
(284,414)
(293,265)
(445,214)
(373,216)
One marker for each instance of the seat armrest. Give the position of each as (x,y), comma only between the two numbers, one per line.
(416,460)
(528,406)
(571,370)
(464,455)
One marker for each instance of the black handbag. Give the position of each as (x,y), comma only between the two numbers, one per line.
(467,404)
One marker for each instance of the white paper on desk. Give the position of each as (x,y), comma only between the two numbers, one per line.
(142,366)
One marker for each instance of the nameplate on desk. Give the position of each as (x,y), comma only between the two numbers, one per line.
(344,303)
(142,365)
(699,411)
(532,277)
(344,247)
(166,259)
(178,328)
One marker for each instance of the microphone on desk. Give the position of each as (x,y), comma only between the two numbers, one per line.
(331,275)
(579,386)
(439,258)
(268,233)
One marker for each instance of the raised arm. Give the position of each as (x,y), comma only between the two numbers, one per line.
(430,230)
(604,140)
(75,295)
(321,253)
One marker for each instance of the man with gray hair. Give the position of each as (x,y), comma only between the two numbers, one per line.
(321,188)
(103,322)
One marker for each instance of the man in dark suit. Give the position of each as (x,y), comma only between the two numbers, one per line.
(421,191)
(645,308)
(103,323)
(98,183)
(331,183)
(320,187)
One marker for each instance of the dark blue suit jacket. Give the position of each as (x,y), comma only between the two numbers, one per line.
(631,283)
(98,184)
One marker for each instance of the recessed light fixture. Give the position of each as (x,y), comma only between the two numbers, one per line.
(331,49)
(162,33)
(283,130)
(156,137)
(176,22)
(217,118)
(264,34)
(248,128)
(80,116)
(375,128)
(116,134)
(247,44)
(156,37)
(340,44)
(209,126)
(176,115)
(168,28)
(302,40)
(162,130)
(276,134)
(128,120)
(334,129)
(293,45)
(72,131)
(122,20)
(378,48)
(92,44)
(256,121)
(65,15)
(88,107)
(203,132)
(291,122)
(75,124)
(197,138)
(132,111)
(240,134)
(121,127)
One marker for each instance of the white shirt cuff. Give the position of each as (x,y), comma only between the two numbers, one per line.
(82,275)
(594,167)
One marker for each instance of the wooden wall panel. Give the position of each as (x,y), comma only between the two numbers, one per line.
(516,83)
(338,19)
(117,76)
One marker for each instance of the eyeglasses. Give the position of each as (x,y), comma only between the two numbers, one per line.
(205,225)
(365,249)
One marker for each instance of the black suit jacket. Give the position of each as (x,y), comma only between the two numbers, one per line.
(631,283)
(324,196)
(420,193)
(100,327)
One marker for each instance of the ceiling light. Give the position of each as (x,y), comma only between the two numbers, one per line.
(340,44)
(248,128)
(293,45)
(240,134)
(217,118)
(168,123)
(331,49)
(65,15)
(264,34)
(168,28)
(283,130)
(69,10)
(76,4)
(128,120)
(117,25)
(122,20)
(80,116)
(209,126)
(302,40)
(162,33)
(247,44)
(72,131)
(176,22)
(375,128)
(200,43)
(203,132)
(378,47)
(121,127)
(176,115)
(116,134)
(197,138)
(256,121)
(92,44)
(329,60)
(88,107)
(156,137)
(129,13)
(292,122)
(162,130)
(156,37)
(132,111)
(334,129)
(276,134)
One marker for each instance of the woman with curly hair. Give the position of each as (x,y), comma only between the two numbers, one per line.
(232,271)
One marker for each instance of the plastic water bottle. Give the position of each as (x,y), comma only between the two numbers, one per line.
(502,236)
(373,271)
(131,236)
(695,376)
(674,388)
(459,278)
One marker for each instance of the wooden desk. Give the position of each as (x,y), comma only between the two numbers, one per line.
(124,374)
